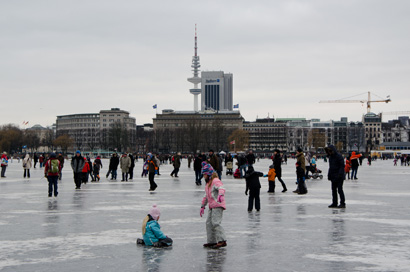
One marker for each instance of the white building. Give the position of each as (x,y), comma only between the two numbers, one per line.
(216,91)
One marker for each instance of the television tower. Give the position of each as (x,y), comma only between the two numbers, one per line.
(195,79)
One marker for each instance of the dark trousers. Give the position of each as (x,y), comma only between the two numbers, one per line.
(78,178)
(125,176)
(254,196)
(152,183)
(271,186)
(3,171)
(337,187)
(175,171)
(283,183)
(354,172)
(113,173)
(302,189)
(198,176)
(27,172)
(131,172)
(52,183)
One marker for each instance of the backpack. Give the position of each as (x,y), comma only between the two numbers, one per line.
(53,167)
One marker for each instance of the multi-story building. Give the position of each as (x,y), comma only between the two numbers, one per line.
(373,129)
(108,129)
(266,135)
(189,131)
(217,91)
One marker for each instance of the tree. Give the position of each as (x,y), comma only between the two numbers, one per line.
(241,138)
(31,140)
(49,139)
(118,137)
(64,142)
(11,138)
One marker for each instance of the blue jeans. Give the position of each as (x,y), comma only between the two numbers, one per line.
(114,173)
(198,176)
(354,173)
(52,182)
(242,167)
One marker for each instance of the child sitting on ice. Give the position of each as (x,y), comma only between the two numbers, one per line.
(151,230)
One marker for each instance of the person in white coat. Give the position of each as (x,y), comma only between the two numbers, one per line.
(27,165)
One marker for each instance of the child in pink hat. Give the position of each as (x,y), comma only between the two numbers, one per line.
(151,230)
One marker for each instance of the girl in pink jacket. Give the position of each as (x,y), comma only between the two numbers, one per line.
(215,198)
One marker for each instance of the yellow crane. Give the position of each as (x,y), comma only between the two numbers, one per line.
(368,101)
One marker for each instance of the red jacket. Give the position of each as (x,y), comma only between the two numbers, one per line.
(47,167)
(86,167)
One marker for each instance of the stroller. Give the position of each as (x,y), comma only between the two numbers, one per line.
(316,173)
(237,173)
(229,168)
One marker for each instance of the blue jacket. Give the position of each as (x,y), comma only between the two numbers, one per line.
(153,233)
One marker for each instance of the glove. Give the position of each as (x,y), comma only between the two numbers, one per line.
(221,198)
(202,211)
(265,176)
(246,192)
(156,172)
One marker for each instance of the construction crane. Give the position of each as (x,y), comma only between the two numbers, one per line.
(395,112)
(368,101)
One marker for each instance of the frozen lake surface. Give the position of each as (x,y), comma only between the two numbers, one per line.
(95,228)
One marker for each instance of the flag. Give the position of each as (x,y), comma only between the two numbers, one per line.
(154,106)
(236,106)
(233,142)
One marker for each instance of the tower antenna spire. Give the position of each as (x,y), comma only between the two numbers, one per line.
(196,47)
(195,79)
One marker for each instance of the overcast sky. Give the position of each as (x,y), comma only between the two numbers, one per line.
(65,57)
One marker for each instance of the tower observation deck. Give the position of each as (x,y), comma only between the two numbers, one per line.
(195,79)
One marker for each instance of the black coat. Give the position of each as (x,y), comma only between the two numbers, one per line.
(198,163)
(114,161)
(132,161)
(277,164)
(336,165)
(250,158)
(252,180)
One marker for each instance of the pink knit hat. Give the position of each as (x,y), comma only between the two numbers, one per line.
(154,212)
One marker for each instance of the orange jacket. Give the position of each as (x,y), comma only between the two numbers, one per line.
(271,174)
(347,166)
(355,156)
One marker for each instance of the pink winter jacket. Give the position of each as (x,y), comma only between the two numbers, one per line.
(211,195)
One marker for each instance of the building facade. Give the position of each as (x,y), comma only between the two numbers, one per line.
(106,130)
(217,91)
(190,131)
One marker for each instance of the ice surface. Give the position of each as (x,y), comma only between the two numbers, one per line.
(95,228)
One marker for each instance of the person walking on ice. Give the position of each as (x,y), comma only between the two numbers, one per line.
(215,198)
(336,175)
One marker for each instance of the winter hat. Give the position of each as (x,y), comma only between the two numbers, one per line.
(154,212)
(276,150)
(271,166)
(53,155)
(78,152)
(300,149)
(207,169)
